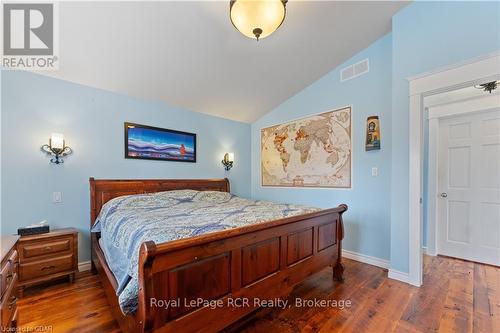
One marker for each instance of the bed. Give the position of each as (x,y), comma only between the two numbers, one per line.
(201,268)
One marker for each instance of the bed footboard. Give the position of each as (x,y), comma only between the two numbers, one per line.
(204,284)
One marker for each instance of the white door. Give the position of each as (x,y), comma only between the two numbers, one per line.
(469,187)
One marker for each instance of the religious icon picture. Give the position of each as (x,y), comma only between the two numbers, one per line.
(372,133)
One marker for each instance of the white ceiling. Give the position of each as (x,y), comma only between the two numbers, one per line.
(187,54)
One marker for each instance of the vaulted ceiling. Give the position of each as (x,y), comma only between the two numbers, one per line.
(188,54)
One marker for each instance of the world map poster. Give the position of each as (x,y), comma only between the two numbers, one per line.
(309,152)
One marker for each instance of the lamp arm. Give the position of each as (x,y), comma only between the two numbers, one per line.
(227,164)
(66,151)
(57,156)
(46,149)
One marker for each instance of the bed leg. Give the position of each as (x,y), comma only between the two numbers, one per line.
(338,272)
(93,269)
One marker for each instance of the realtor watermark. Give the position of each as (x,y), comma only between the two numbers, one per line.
(244,302)
(30,35)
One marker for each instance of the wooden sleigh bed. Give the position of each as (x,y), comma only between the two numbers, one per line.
(263,261)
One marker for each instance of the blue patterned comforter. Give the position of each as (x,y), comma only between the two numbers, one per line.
(126,222)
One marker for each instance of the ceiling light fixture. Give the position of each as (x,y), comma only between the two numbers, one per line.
(488,87)
(257,18)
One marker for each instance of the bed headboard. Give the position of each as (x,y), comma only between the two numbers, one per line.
(103,190)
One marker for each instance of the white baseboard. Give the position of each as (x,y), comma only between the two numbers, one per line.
(393,274)
(428,251)
(400,276)
(366,259)
(84,266)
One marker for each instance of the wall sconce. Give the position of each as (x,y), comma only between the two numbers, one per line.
(57,148)
(228,160)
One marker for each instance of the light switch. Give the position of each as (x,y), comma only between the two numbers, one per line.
(56,197)
(374,172)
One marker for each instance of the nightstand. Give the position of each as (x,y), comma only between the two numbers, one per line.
(47,256)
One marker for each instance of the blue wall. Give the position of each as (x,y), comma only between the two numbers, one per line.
(367,222)
(92,120)
(426,36)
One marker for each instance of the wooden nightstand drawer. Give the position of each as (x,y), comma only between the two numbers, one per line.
(7,271)
(32,250)
(9,303)
(14,261)
(42,268)
(4,277)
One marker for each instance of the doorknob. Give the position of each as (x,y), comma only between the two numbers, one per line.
(444,195)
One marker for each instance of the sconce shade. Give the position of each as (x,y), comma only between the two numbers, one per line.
(257,18)
(228,161)
(57,148)
(57,141)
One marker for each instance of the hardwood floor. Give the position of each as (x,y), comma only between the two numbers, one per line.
(457,296)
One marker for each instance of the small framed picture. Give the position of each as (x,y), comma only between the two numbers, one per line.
(372,133)
(154,143)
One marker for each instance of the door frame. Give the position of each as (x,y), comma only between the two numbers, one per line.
(479,104)
(465,74)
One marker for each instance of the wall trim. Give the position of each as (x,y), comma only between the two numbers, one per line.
(84,266)
(382,263)
(398,275)
(455,65)
(459,76)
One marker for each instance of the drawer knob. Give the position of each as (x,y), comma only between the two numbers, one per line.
(48,267)
(12,302)
(48,248)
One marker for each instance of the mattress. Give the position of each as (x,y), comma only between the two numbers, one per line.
(126,222)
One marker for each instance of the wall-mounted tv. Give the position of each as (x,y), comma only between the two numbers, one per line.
(153,143)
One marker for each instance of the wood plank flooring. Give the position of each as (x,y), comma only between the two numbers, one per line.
(457,296)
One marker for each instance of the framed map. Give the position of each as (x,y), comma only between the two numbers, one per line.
(309,152)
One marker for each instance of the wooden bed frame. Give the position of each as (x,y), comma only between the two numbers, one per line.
(260,261)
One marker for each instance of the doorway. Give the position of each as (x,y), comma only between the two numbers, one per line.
(466,74)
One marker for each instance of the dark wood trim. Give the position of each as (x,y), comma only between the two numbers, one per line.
(256,254)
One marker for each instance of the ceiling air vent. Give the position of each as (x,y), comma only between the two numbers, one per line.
(358,69)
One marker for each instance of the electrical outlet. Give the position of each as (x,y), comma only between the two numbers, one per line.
(374,172)
(56,197)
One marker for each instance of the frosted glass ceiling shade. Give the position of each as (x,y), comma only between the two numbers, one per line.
(257,18)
